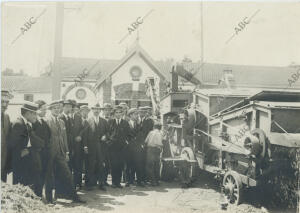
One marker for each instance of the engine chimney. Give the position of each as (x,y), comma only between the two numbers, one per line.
(174,85)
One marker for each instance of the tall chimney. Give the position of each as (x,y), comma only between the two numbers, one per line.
(174,85)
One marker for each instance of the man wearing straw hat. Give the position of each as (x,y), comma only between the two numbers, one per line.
(5,129)
(21,141)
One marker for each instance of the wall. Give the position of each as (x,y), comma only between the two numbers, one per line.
(123,74)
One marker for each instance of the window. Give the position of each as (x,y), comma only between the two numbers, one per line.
(180,103)
(28,97)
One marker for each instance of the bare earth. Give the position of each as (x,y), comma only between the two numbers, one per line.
(203,197)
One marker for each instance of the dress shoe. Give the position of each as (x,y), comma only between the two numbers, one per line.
(106,184)
(114,186)
(127,184)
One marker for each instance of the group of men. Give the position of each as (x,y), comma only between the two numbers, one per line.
(62,145)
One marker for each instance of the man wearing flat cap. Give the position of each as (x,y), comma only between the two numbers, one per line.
(146,125)
(96,136)
(119,135)
(132,149)
(59,157)
(22,140)
(5,129)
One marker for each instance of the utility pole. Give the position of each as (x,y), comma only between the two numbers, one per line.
(202,45)
(56,74)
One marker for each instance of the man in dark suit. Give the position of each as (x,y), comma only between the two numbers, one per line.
(5,129)
(106,113)
(42,130)
(58,159)
(84,111)
(77,145)
(146,125)
(119,135)
(131,149)
(65,116)
(24,143)
(96,136)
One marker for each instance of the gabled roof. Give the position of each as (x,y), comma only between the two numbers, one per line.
(137,49)
(26,84)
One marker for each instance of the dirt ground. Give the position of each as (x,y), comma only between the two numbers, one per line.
(203,197)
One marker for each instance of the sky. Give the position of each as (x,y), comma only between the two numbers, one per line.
(172,30)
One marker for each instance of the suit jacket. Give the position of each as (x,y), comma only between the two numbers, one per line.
(58,139)
(18,138)
(119,135)
(95,133)
(145,127)
(42,130)
(77,126)
(68,126)
(5,129)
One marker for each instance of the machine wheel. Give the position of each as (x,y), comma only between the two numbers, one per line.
(233,187)
(188,154)
(260,134)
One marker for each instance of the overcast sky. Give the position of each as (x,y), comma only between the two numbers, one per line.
(172,30)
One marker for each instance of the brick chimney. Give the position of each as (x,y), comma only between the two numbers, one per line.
(174,84)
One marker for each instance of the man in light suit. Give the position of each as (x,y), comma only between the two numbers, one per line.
(5,129)
(58,159)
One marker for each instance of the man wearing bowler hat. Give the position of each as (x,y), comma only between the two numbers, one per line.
(59,157)
(21,141)
(5,129)
(119,135)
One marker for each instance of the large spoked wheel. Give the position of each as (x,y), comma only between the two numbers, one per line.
(233,187)
(188,154)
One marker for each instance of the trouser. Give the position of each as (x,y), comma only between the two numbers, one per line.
(78,158)
(21,169)
(117,164)
(3,162)
(106,156)
(63,178)
(130,164)
(36,172)
(152,164)
(139,163)
(96,166)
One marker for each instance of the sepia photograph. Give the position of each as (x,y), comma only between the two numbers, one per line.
(150,106)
